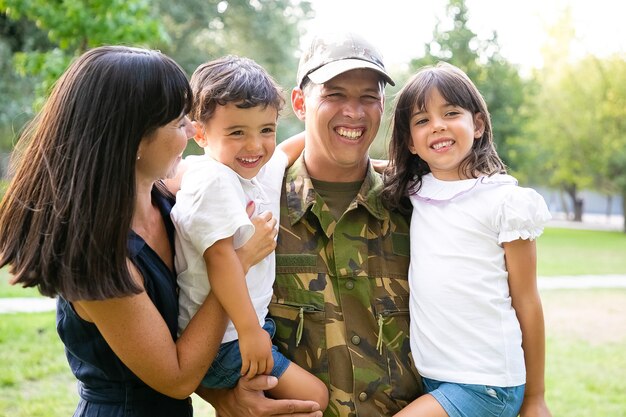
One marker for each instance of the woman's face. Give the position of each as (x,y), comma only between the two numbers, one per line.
(160,152)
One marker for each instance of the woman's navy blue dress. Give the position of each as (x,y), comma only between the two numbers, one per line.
(105,385)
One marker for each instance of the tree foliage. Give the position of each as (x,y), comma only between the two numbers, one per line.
(16,91)
(267,31)
(575,138)
(578,129)
(191,31)
(497,79)
(73,26)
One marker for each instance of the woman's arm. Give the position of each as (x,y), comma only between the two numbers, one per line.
(521,261)
(135,330)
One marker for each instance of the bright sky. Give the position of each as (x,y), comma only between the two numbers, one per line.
(399,28)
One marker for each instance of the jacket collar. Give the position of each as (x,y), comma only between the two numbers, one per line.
(301,197)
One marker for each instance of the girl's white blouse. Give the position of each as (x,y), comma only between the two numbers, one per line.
(463,326)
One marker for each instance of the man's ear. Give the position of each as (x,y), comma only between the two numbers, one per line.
(297,103)
(479,125)
(199,136)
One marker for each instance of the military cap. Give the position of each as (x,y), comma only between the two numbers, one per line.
(331,54)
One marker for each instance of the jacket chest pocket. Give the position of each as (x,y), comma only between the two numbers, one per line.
(300,323)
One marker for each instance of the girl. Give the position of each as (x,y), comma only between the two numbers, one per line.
(86,219)
(477,333)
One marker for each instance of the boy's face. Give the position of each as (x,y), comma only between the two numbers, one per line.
(242,139)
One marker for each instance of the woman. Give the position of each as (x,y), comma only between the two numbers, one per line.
(86,218)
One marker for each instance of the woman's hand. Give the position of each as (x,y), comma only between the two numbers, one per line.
(262,243)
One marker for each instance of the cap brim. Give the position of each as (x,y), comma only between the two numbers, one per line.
(335,68)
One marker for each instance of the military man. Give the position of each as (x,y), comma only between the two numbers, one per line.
(341,292)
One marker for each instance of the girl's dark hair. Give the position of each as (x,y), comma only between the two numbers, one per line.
(405,171)
(66,215)
(232,79)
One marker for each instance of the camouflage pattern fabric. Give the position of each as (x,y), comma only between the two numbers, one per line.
(341,297)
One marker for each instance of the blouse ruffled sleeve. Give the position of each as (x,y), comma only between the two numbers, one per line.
(522,215)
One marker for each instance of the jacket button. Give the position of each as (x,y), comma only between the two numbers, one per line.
(363,396)
(356,339)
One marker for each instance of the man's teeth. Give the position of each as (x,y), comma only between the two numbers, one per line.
(350,133)
(440,145)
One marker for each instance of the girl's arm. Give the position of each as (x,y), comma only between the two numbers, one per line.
(293,147)
(521,261)
(228,283)
(135,330)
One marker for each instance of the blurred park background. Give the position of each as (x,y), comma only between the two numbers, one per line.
(557,94)
(558,110)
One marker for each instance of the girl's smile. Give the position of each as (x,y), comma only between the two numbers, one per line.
(442,134)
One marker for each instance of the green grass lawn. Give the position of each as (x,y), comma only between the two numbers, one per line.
(35,379)
(585,364)
(581,252)
(10,291)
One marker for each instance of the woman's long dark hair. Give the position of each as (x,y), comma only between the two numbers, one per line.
(406,169)
(66,215)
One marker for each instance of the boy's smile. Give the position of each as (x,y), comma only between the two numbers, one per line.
(243,139)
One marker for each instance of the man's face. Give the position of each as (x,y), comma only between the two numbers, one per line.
(342,117)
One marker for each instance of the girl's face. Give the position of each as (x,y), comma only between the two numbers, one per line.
(443,134)
(161,151)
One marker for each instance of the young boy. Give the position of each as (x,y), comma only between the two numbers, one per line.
(235,112)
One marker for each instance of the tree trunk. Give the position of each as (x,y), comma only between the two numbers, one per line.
(577,202)
(578,209)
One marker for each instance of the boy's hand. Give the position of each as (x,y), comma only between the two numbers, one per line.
(256,352)
(262,243)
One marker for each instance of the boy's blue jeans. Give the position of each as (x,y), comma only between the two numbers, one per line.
(226,367)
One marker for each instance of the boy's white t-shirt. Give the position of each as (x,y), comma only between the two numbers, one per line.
(463,326)
(210,206)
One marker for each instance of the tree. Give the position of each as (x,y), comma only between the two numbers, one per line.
(267,31)
(73,26)
(575,139)
(612,124)
(497,79)
(16,91)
